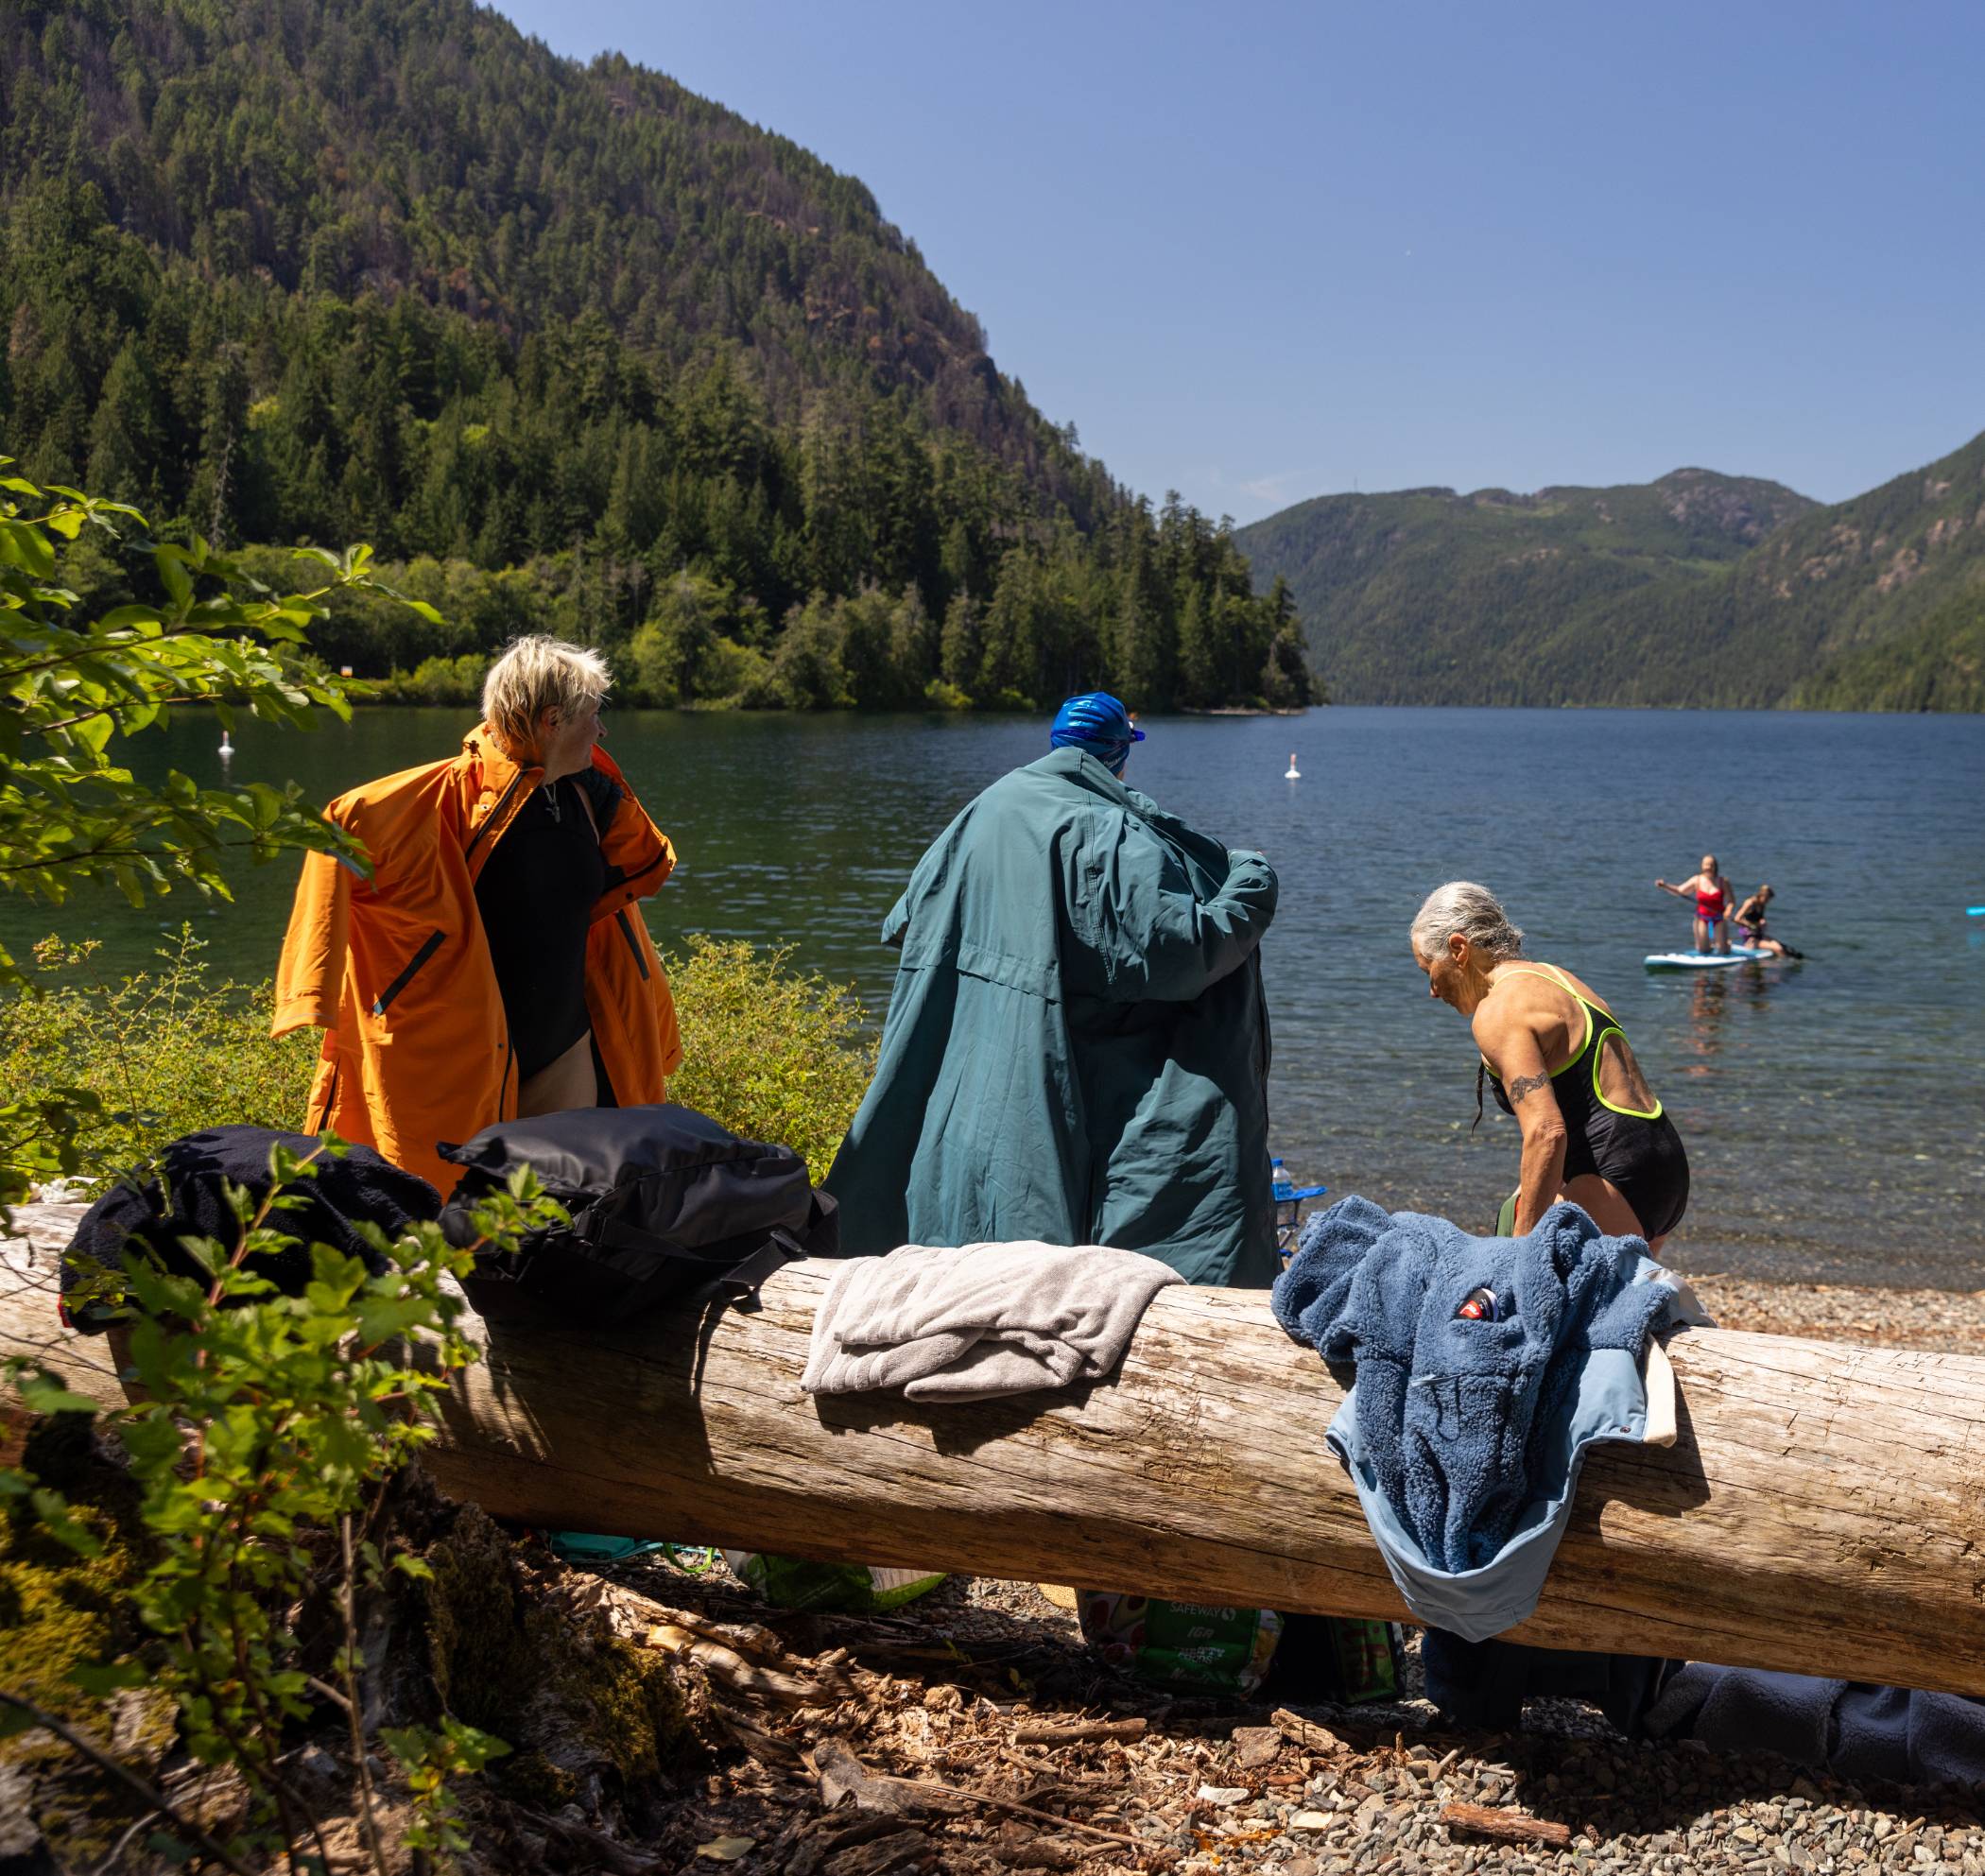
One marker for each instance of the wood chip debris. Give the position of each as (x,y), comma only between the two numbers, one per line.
(1256,1747)
(1305,1733)
(968,1740)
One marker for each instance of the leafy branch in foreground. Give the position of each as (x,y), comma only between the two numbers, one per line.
(265,1436)
(72,687)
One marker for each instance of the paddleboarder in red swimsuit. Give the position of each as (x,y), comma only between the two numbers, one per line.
(1714,898)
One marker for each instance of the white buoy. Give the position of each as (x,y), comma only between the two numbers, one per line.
(1293,773)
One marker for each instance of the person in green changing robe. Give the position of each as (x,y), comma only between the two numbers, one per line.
(1077,1047)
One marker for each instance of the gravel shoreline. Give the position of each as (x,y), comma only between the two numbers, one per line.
(1949,1320)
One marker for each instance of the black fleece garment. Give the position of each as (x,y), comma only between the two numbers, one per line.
(182,1196)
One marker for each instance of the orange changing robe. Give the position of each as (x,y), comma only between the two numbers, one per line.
(396,970)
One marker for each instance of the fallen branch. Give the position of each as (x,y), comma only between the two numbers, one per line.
(727,1666)
(1027,1810)
(767,1749)
(843,1775)
(1808,1508)
(1510,1827)
(1081,1731)
(751,1637)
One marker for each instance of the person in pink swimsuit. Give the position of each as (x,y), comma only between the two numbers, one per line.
(1714,899)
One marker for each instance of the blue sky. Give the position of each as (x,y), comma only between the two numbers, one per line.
(1262,251)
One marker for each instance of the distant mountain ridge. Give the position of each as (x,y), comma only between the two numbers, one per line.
(1874,603)
(1699,588)
(1426,596)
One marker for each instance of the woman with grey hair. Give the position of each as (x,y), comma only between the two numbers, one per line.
(1560,1063)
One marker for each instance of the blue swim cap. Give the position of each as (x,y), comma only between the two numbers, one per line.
(1096,722)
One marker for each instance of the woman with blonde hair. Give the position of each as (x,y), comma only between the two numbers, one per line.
(494,963)
(1557,1061)
(1751,917)
(1714,898)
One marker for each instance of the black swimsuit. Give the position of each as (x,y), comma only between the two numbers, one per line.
(1639,1152)
(536,894)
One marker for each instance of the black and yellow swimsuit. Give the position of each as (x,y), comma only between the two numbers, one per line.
(1639,1151)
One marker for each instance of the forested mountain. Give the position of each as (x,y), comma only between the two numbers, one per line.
(1699,588)
(1430,596)
(1876,603)
(576,343)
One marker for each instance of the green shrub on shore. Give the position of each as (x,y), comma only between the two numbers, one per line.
(441,681)
(773,1054)
(165,1052)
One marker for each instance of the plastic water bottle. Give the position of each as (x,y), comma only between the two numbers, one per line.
(1283,1186)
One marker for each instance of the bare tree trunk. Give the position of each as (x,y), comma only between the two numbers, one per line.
(1822,1510)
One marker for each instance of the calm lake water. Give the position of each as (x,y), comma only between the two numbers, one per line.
(1832,1109)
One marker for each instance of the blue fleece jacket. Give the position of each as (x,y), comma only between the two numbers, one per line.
(1464,1437)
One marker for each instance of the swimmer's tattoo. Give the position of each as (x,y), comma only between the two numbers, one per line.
(1526,1084)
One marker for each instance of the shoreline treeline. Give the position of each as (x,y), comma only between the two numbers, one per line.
(383,269)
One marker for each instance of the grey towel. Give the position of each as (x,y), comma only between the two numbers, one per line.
(976,1321)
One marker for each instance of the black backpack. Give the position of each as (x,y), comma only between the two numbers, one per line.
(663,1203)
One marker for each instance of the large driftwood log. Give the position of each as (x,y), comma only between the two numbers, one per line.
(1822,1511)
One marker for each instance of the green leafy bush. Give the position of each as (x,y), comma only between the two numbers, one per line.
(164,1052)
(262,1434)
(438,681)
(263,1430)
(772,1053)
(274,1424)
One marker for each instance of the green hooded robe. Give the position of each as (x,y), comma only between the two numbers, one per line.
(1078,1045)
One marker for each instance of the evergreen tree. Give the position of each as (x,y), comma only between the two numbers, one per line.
(963,647)
(214,495)
(913,648)
(1198,664)
(1145,648)
(806,668)
(127,434)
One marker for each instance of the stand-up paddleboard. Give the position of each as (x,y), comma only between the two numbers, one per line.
(1707,960)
